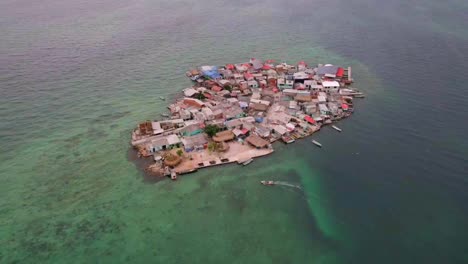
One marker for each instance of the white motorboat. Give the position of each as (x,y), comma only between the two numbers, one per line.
(317,143)
(337,128)
(287,139)
(267,183)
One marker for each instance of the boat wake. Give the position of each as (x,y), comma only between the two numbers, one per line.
(287,184)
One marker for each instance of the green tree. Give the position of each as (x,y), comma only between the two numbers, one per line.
(180,152)
(213,146)
(211,130)
(200,96)
(228,87)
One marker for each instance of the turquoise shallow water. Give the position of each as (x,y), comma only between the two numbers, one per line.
(76,77)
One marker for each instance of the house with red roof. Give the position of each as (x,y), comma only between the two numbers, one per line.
(248,76)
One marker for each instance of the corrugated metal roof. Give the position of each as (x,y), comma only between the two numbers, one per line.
(329,69)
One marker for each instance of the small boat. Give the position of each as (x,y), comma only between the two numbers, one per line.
(337,128)
(247,162)
(165,115)
(162,98)
(287,140)
(268,183)
(188,171)
(317,143)
(350,92)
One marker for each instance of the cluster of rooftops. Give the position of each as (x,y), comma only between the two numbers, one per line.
(256,102)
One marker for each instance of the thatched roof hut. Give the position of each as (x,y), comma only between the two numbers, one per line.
(194,72)
(257,141)
(172,160)
(224,136)
(146,128)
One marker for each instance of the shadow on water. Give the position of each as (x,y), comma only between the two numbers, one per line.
(110,116)
(300,208)
(141,164)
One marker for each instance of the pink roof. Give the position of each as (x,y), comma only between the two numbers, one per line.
(244,131)
(344,106)
(266,67)
(230,66)
(301,63)
(248,75)
(309,119)
(300,86)
(207,95)
(216,88)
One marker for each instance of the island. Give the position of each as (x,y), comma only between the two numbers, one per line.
(233,114)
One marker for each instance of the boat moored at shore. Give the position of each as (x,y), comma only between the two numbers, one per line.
(287,139)
(247,162)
